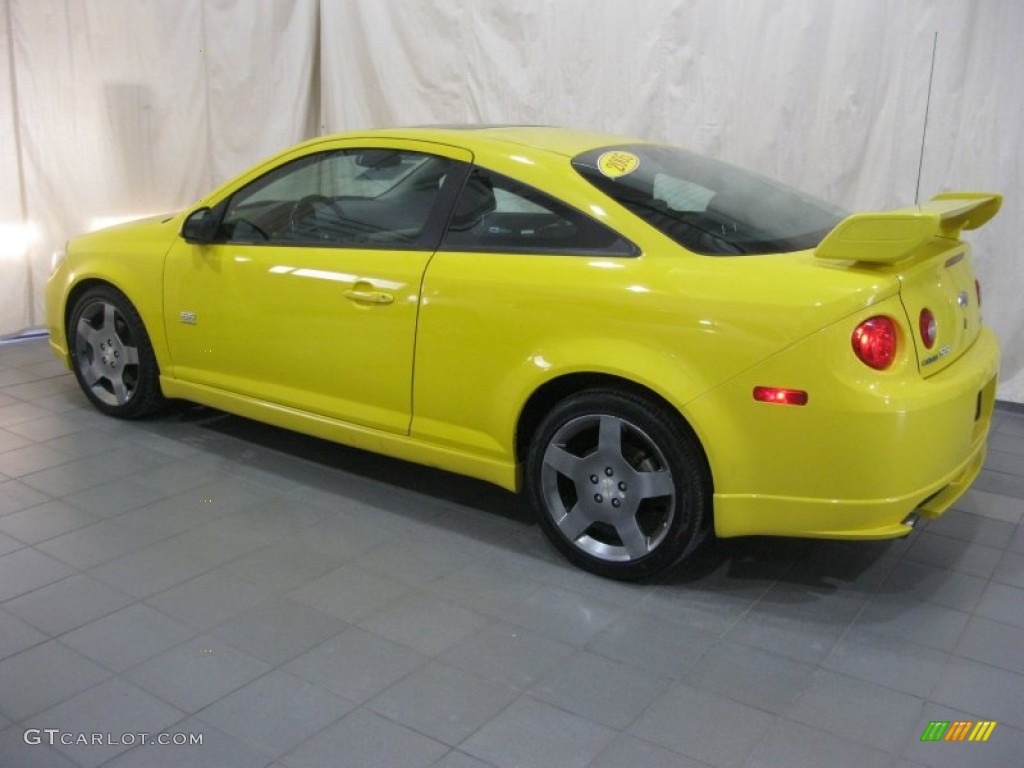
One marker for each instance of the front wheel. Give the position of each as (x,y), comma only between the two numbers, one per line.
(111,354)
(620,485)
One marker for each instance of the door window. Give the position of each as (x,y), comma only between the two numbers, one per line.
(355,197)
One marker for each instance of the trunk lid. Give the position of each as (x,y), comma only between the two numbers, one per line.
(921,247)
(941,281)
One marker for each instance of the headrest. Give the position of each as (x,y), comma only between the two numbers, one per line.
(475,202)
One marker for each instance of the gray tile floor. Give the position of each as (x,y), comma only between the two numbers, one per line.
(302,604)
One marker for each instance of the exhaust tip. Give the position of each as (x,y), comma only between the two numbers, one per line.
(911,520)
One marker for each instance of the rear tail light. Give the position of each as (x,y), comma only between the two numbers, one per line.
(929,328)
(977,290)
(874,342)
(780,396)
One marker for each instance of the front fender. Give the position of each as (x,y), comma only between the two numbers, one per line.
(129,257)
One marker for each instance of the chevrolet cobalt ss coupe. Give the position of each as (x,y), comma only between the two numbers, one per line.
(649,344)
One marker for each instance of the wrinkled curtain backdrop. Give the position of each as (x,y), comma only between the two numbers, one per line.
(118,108)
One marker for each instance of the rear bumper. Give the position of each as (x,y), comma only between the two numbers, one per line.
(863,455)
(887,518)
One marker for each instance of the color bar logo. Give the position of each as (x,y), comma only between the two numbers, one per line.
(958,730)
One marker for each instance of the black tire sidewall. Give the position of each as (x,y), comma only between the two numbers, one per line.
(686,460)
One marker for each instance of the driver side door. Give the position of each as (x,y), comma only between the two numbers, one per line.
(308,298)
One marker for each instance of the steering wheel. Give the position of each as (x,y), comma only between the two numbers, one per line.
(304,207)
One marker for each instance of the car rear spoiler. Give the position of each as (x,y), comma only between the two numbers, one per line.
(891,236)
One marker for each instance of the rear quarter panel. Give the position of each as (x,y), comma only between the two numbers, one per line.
(494,327)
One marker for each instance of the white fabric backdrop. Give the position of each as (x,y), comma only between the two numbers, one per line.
(128,108)
(120,113)
(15,289)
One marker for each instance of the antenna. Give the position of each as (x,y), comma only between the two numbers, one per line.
(927,106)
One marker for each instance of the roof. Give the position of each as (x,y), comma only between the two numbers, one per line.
(563,141)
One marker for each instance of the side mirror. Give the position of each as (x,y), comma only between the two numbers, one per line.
(201,226)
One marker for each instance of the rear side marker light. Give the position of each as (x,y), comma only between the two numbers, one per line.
(780,396)
(929,328)
(874,342)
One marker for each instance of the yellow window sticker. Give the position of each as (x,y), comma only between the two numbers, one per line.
(617,163)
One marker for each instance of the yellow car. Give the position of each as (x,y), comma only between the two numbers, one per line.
(650,344)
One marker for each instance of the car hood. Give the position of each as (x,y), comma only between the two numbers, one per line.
(129,236)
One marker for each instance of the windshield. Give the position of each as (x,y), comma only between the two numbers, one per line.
(707,206)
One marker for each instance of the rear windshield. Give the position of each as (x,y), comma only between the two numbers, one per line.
(707,206)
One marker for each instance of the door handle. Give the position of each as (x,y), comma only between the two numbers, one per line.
(369,297)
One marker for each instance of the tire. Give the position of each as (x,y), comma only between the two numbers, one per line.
(111,355)
(620,485)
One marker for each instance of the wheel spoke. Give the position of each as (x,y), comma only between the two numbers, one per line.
(108,319)
(86,335)
(609,438)
(131,356)
(575,523)
(633,539)
(120,390)
(651,485)
(563,462)
(92,374)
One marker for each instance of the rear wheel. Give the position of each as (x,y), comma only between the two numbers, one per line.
(111,354)
(620,485)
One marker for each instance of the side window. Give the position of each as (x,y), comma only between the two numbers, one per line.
(369,198)
(496,213)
